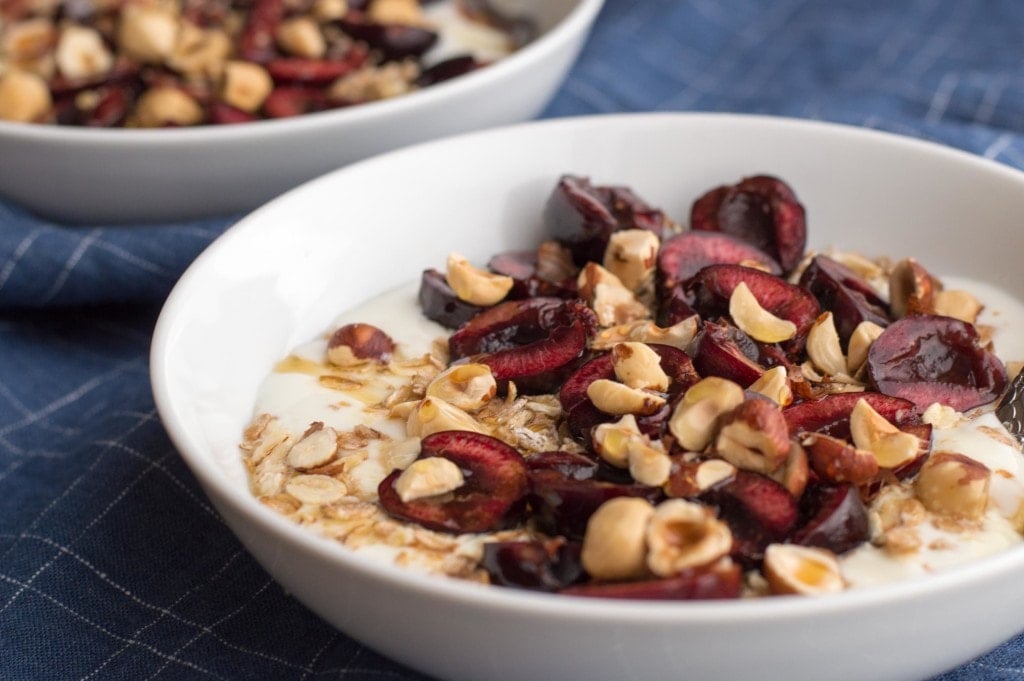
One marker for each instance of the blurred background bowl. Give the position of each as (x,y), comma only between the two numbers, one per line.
(131,175)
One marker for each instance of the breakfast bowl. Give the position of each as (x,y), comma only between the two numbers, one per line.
(80,174)
(285,273)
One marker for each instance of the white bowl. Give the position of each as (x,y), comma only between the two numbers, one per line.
(281,275)
(116,175)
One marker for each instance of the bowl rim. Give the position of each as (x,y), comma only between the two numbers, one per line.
(576,22)
(477,596)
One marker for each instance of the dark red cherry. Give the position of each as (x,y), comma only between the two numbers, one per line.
(286,101)
(522,267)
(495,485)
(831,414)
(928,359)
(761,210)
(394,42)
(832,517)
(447,69)
(716,582)
(674,305)
(683,255)
(569,464)
(535,565)
(562,504)
(758,510)
(712,288)
(849,297)
(584,216)
(720,349)
(440,304)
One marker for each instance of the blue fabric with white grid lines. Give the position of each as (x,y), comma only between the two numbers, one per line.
(113,565)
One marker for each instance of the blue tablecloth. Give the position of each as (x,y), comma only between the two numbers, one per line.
(113,565)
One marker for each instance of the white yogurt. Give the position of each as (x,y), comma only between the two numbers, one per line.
(459,35)
(297,398)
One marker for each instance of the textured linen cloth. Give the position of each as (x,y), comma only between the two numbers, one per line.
(113,564)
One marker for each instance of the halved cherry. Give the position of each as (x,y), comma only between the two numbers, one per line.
(761,210)
(572,465)
(562,504)
(536,348)
(394,42)
(928,359)
(850,298)
(297,70)
(535,565)
(220,113)
(720,581)
(758,510)
(712,288)
(584,215)
(832,517)
(674,305)
(440,304)
(720,349)
(503,326)
(579,466)
(447,69)
(495,485)
(574,389)
(286,101)
(683,255)
(831,414)
(522,267)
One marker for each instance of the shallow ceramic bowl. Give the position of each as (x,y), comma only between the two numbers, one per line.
(281,275)
(87,175)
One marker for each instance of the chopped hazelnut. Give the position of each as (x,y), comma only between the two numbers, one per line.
(631,255)
(824,348)
(861,339)
(870,431)
(429,477)
(24,97)
(802,570)
(696,418)
(82,54)
(615,544)
(754,436)
(611,440)
(474,285)
(466,386)
(301,36)
(406,12)
(775,385)
(683,534)
(162,106)
(28,40)
(147,32)
(246,85)
(613,397)
(639,366)
(953,484)
(610,299)
(433,415)
(755,321)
